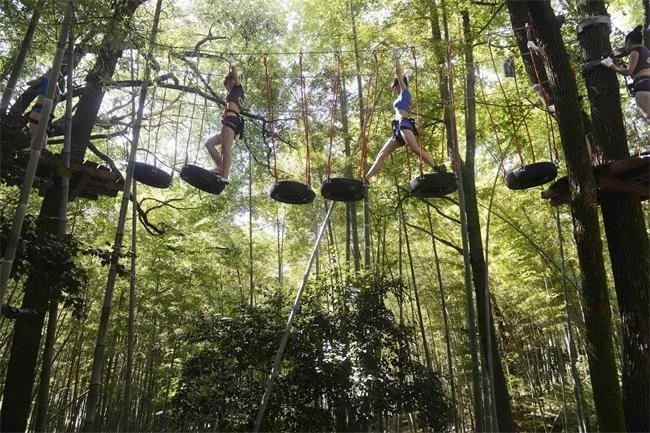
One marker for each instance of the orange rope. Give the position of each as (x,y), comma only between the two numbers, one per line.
(335,86)
(305,121)
(417,110)
(545,95)
(510,113)
(269,105)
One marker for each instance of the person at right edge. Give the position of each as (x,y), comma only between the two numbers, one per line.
(638,68)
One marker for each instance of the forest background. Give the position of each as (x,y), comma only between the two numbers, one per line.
(384,335)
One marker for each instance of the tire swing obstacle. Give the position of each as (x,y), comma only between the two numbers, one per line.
(151,174)
(345,189)
(200,178)
(290,191)
(537,173)
(429,185)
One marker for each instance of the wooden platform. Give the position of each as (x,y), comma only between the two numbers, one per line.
(88,179)
(630,176)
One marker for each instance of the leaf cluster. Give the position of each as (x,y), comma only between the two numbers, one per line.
(49,260)
(347,365)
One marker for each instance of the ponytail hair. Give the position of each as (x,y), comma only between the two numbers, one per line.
(635,36)
(396,82)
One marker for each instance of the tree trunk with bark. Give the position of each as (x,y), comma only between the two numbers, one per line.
(21,368)
(600,350)
(625,227)
(489,347)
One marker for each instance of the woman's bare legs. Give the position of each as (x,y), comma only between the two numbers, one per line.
(412,142)
(643,102)
(211,145)
(227,139)
(386,150)
(222,160)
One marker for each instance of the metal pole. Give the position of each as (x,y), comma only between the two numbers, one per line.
(292,315)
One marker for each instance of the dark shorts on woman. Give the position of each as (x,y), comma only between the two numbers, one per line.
(398,125)
(236,123)
(642,84)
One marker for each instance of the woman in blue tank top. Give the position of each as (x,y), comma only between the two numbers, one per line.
(35,115)
(232,125)
(638,68)
(404,130)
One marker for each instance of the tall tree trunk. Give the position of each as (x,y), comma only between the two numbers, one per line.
(602,365)
(351,207)
(625,228)
(27,332)
(90,423)
(450,126)
(130,339)
(48,351)
(427,354)
(489,348)
(21,367)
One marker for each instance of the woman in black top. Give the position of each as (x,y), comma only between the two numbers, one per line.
(638,68)
(232,124)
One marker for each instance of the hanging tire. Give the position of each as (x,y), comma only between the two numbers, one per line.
(342,189)
(203,179)
(151,175)
(437,184)
(531,175)
(292,192)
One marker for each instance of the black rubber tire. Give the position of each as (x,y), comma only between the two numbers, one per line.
(292,192)
(433,185)
(531,175)
(342,189)
(202,179)
(151,175)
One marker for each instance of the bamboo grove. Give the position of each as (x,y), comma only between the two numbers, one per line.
(132,308)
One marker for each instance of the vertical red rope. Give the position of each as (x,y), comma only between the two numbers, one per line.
(365,134)
(271,121)
(305,121)
(417,109)
(335,86)
(508,108)
(545,95)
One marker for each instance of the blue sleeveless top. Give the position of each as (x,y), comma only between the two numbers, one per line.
(42,88)
(403,101)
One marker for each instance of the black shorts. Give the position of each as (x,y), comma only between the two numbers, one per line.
(642,84)
(398,125)
(236,123)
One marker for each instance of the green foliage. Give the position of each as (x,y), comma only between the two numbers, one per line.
(51,262)
(347,365)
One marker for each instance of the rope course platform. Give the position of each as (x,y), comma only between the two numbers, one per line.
(630,176)
(90,180)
